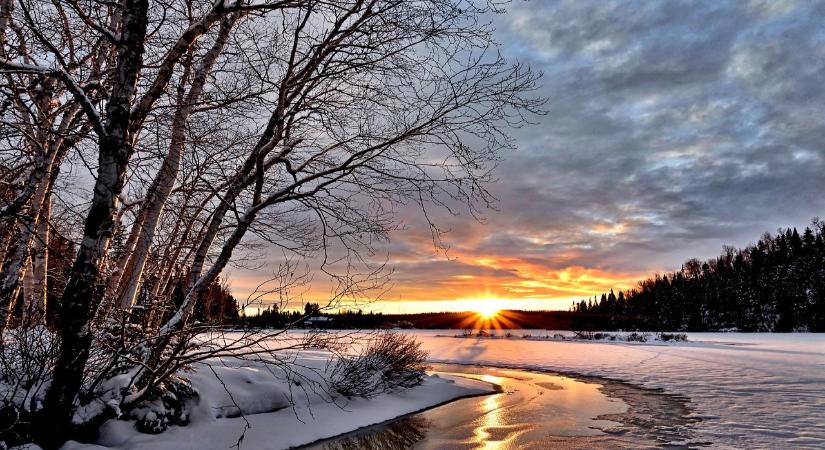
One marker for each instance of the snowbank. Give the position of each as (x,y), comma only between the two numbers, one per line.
(275,408)
(620,336)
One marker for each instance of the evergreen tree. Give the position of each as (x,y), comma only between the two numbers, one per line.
(777,284)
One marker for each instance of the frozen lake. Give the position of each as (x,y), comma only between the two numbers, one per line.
(748,390)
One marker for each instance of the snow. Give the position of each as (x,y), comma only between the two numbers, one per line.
(750,390)
(268,407)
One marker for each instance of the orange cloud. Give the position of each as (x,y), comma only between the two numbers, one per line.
(513,283)
(542,270)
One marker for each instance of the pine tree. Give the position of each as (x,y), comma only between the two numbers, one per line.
(778,284)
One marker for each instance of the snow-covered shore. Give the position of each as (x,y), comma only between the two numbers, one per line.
(279,411)
(750,390)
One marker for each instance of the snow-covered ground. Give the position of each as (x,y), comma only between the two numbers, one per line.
(279,411)
(751,390)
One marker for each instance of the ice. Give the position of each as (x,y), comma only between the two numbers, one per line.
(751,390)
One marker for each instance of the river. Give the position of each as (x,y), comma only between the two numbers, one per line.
(533,410)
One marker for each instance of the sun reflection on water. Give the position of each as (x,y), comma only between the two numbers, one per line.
(489,419)
(484,434)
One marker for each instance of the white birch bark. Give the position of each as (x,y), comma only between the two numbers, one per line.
(15,271)
(165,179)
(34,309)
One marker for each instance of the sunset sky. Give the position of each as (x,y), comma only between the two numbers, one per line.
(673,128)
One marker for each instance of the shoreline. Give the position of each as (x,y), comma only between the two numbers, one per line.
(313,415)
(497,389)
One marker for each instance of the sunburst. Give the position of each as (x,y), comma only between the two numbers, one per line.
(488,309)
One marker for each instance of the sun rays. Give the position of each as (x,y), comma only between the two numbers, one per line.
(489,313)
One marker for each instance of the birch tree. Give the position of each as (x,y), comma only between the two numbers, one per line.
(303,124)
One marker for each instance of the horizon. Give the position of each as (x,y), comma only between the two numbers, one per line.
(467,305)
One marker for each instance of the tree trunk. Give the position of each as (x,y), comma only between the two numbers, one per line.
(81,294)
(165,179)
(6,236)
(28,225)
(34,310)
(15,271)
(13,274)
(122,263)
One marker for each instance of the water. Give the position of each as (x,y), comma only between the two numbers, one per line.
(533,410)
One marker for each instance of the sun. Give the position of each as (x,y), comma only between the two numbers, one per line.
(488,309)
(488,313)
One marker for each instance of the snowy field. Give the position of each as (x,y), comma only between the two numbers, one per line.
(750,390)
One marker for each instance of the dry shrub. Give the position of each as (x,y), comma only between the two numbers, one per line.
(637,337)
(391,361)
(675,337)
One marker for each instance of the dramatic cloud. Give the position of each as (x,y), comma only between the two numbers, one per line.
(673,128)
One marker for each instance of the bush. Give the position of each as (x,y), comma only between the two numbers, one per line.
(637,337)
(389,362)
(586,335)
(675,337)
(596,336)
(167,406)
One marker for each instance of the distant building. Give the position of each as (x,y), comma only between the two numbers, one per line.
(318,322)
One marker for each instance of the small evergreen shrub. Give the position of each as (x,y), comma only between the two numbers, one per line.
(167,407)
(637,337)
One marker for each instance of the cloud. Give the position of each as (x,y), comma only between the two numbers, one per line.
(674,127)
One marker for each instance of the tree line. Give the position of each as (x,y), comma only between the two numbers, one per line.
(274,316)
(777,284)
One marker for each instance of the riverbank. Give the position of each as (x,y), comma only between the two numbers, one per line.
(740,390)
(250,405)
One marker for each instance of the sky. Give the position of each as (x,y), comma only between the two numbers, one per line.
(672,128)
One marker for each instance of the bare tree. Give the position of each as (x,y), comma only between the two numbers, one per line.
(216,125)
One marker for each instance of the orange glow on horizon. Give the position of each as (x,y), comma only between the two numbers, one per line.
(471,281)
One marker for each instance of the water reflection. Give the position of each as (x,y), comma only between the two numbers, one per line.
(491,417)
(533,410)
(400,434)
